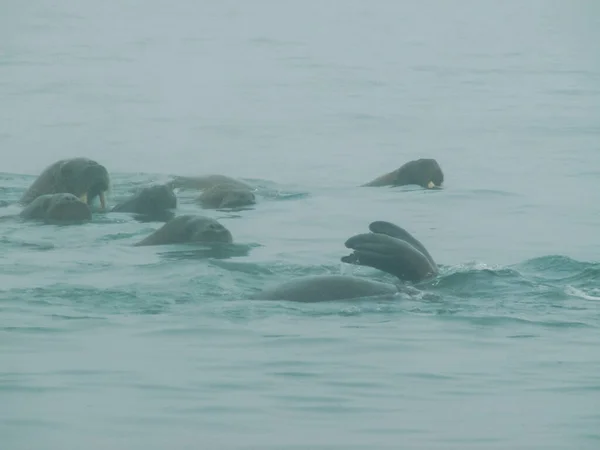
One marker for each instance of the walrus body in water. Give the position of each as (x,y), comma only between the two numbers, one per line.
(425,172)
(388,248)
(189,228)
(156,202)
(57,208)
(82,177)
(226,196)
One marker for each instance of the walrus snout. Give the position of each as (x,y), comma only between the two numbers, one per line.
(431,174)
(435,181)
(98,183)
(86,179)
(162,196)
(213,232)
(424,172)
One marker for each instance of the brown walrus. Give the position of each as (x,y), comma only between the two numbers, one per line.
(424,172)
(188,228)
(82,177)
(56,208)
(226,196)
(153,202)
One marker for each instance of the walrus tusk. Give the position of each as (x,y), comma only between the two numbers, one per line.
(430,185)
(102,200)
(83,197)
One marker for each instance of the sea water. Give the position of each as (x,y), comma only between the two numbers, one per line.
(104,345)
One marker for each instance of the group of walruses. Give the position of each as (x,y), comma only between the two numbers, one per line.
(65,191)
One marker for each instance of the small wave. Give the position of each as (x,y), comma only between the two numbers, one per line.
(561,269)
(493,192)
(553,264)
(478,281)
(242,267)
(284,196)
(217,251)
(571,290)
(499,320)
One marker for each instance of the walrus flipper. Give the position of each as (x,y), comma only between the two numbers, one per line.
(393,230)
(389,254)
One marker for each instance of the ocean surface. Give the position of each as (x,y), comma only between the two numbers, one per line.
(108,346)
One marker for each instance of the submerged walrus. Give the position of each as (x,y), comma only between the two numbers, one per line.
(82,177)
(189,228)
(206,182)
(318,288)
(152,202)
(388,248)
(57,208)
(226,196)
(424,172)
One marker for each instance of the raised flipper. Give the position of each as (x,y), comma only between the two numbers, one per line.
(393,230)
(389,254)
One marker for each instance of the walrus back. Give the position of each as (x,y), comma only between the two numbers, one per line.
(45,183)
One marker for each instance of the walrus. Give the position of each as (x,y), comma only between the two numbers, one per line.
(226,196)
(82,177)
(388,248)
(189,228)
(206,182)
(57,208)
(424,172)
(153,202)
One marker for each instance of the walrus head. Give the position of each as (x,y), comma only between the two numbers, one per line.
(425,172)
(67,208)
(227,196)
(57,208)
(160,196)
(84,178)
(189,228)
(152,199)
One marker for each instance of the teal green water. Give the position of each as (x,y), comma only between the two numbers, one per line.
(105,345)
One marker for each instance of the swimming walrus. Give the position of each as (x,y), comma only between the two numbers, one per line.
(188,228)
(57,208)
(226,196)
(206,182)
(388,248)
(82,177)
(153,202)
(317,288)
(424,172)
